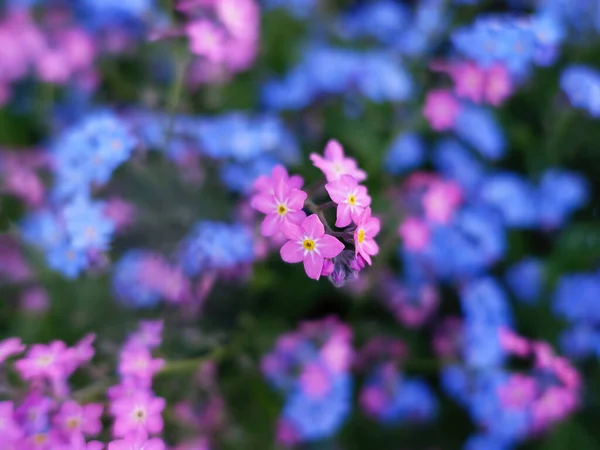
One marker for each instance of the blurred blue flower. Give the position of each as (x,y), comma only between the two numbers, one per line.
(380,19)
(454,161)
(560,193)
(513,196)
(216,246)
(580,341)
(67,260)
(382,78)
(525,280)
(576,298)
(581,84)
(127,284)
(478,127)
(87,225)
(406,152)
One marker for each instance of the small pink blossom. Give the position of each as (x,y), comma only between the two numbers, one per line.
(240,18)
(441,200)
(10,347)
(351,198)
(266,184)
(337,354)
(283,206)
(137,442)
(513,343)
(518,392)
(498,86)
(315,380)
(441,109)
(367,228)
(206,39)
(74,418)
(10,430)
(415,234)
(335,164)
(372,399)
(139,412)
(309,243)
(469,80)
(138,364)
(44,361)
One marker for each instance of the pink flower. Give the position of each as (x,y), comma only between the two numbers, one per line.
(499,85)
(9,429)
(206,39)
(441,109)
(415,234)
(335,164)
(240,18)
(283,206)
(139,412)
(367,228)
(468,80)
(513,343)
(10,347)
(314,380)
(351,198)
(78,443)
(518,392)
(44,361)
(441,200)
(138,363)
(137,442)
(266,185)
(309,243)
(74,418)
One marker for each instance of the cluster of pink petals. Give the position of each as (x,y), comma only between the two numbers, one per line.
(334,164)
(19,173)
(441,109)
(223,34)
(55,54)
(547,403)
(157,274)
(492,85)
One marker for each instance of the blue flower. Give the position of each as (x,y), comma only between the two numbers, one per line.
(127,285)
(87,226)
(560,193)
(525,280)
(478,127)
(576,298)
(67,260)
(406,152)
(240,177)
(315,418)
(486,442)
(383,79)
(580,341)
(381,20)
(216,246)
(513,196)
(454,161)
(581,84)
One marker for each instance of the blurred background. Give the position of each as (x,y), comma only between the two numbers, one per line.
(131,136)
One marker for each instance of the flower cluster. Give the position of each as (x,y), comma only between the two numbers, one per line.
(310,239)
(311,367)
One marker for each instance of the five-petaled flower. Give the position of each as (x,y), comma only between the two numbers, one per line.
(284,205)
(309,243)
(350,197)
(367,228)
(335,164)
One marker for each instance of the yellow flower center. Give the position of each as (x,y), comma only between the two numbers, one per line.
(139,414)
(361,236)
(351,200)
(73,422)
(309,244)
(45,360)
(40,439)
(282,210)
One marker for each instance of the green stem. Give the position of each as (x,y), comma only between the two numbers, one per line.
(190,365)
(181,65)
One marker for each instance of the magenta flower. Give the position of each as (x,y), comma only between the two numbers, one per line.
(499,85)
(9,428)
(335,164)
(137,442)
(75,419)
(367,228)
(284,205)
(309,243)
(137,363)
(266,185)
(415,234)
(138,412)
(351,198)
(77,442)
(10,347)
(441,109)
(50,361)
(468,80)
(206,39)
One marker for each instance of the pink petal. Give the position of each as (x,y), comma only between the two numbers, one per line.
(313,265)
(337,190)
(270,225)
(330,246)
(313,226)
(343,216)
(279,172)
(292,231)
(296,199)
(292,252)
(263,184)
(372,226)
(370,246)
(296,182)
(360,250)
(281,189)
(333,150)
(295,217)
(362,197)
(265,203)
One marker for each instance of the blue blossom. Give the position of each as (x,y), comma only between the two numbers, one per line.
(454,161)
(513,196)
(487,442)
(43,229)
(127,285)
(478,127)
(576,298)
(484,301)
(581,84)
(560,193)
(525,280)
(406,152)
(89,152)
(580,341)
(455,382)
(381,78)
(292,92)
(87,225)
(216,246)
(315,418)
(381,19)
(67,260)
(240,177)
